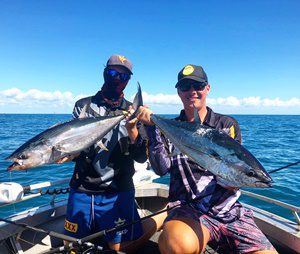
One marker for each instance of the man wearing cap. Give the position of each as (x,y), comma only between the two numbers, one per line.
(217,218)
(102,191)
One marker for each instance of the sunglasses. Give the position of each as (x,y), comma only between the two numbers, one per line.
(198,86)
(114,74)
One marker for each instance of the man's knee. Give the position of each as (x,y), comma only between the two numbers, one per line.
(178,243)
(114,246)
(264,252)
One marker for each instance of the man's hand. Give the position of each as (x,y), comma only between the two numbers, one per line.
(67,158)
(131,126)
(144,115)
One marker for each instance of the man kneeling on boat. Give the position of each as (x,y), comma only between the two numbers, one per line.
(201,210)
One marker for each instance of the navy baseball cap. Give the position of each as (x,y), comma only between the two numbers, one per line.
(193,72)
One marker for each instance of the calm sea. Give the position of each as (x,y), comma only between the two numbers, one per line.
(273,139)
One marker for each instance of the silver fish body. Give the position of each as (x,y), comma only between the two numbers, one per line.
(232,164)
(62,140)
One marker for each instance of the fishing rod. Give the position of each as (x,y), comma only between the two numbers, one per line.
(287,166)
(74,241)
(106,231)
(51,233)
(103,232)
(110,230)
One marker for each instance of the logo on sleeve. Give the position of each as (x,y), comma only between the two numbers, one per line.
(72,227)
(232,132)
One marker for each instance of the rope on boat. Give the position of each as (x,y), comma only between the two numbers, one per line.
(55,191)
(11,192)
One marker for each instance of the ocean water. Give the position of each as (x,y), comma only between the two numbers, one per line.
(273,139)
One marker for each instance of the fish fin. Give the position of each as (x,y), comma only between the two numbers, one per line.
(196,116)
(137,102)
(101,145)
(138,98)
(54,125)
(57,148)
(82,112)
(56,153)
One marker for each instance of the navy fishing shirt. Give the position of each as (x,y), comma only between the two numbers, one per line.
(188,180)
(101,171)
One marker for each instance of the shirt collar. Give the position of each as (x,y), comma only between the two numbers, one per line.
(101,101)
(208,120)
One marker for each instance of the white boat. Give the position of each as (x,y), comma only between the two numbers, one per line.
(40,229)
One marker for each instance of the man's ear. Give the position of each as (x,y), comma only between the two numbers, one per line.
(207,88)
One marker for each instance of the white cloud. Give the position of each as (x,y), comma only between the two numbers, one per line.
(229,101)
(170,99)
(15,100)
(251,101)
(165,103)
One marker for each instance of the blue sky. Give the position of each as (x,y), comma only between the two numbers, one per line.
(53,52)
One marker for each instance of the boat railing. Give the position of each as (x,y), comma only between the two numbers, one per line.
(39,186)
(294,209)
(27,191)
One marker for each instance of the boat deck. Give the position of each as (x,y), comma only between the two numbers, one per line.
(152,197)
(152,247)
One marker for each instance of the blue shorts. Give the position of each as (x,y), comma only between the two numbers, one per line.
(88,214)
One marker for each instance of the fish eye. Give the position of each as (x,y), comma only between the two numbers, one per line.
(22,157)
(251,173)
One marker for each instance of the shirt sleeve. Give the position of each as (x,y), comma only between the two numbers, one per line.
(232,128)
(234,131)
(237,132)
(158,151)
(76,111)
(138,150)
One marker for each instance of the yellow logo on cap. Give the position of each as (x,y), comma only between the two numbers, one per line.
(122,58)
(188,70)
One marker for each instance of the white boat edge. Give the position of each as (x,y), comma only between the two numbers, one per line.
(151,197)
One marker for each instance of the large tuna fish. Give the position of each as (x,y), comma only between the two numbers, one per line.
(65,139)
(232,164)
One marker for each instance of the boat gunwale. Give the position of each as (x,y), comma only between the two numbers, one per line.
(148,190)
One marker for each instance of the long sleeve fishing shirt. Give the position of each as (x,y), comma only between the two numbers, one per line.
(188,181)
(101,171)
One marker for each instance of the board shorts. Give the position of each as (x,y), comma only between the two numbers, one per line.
(239,236)
(87,214)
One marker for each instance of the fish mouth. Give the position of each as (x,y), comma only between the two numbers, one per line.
(264,184)
(16,166)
